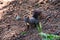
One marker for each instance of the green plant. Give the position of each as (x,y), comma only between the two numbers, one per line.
(46,36)
(23,33)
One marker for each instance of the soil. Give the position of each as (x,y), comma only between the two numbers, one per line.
(11,28)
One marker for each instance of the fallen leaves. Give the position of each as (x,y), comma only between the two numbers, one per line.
(4,3)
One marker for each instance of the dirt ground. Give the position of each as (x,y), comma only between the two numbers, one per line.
(11,27)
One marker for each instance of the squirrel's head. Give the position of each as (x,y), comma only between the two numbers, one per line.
(36,13)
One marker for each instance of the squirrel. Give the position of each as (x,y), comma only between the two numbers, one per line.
(34,19)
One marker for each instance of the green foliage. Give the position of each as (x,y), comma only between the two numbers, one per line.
(23,33)
(46,36)
(49,36)
(39,27)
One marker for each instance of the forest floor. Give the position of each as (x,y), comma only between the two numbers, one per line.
(11,28)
